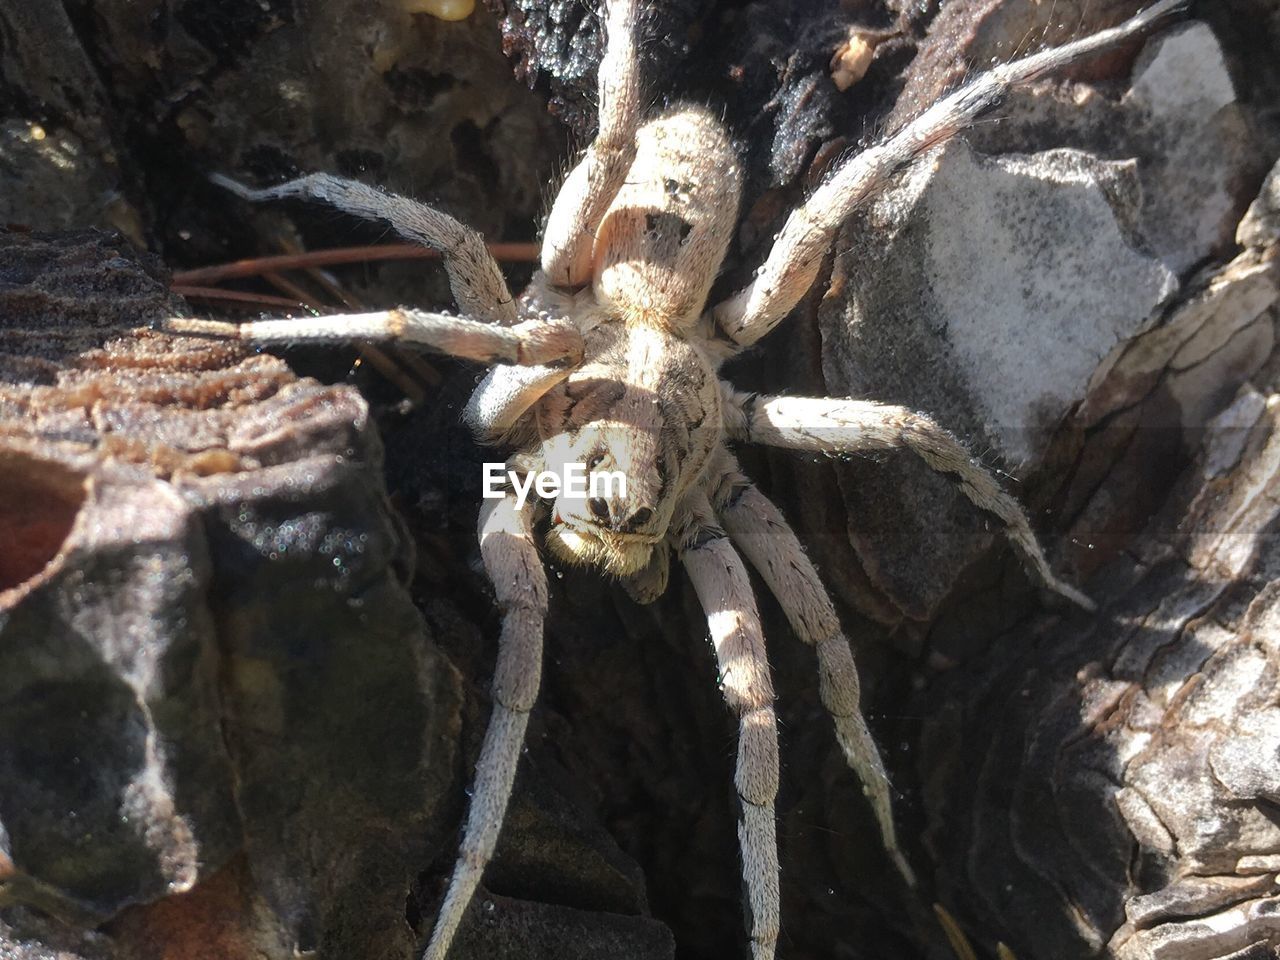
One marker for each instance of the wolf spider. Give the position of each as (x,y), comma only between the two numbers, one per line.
(609,359)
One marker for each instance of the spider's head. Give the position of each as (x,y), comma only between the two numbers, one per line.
(641,418)
(626,506)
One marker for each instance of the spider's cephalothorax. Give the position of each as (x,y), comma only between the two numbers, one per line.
(645,404)
(610,360)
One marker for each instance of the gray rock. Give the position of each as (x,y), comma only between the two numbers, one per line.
(209,663)
(1182,107)
(1261,223)
(1009,278)
(994,289)
(108,662)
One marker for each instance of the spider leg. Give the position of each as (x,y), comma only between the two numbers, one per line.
(520,586)
(528,343)
(826,425)
(759,530)
(474,276)
(569,239)
(724,590)
(504,396)
(797,253)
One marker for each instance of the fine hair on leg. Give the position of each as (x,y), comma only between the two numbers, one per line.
(520,587)
(793,261)
(568,241)
(531,342)
(829,425)
(759,530)
(724,590)
(474,275)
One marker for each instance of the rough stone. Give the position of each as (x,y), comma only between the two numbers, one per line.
(1021,352)
(1182,105)
(991,289)
(207,647)
(1261,223)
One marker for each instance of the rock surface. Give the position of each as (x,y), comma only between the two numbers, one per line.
(1018,311)
(204,554)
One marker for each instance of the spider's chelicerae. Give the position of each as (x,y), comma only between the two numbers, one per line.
(609,359)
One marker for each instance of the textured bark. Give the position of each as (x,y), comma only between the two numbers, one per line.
(241,608)
(205,554)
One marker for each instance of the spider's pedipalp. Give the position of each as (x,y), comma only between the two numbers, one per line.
(569,238)
(793,261)
(474,276)
(829,425)
(724,590)
(520,587)
(759,530)
(532,342)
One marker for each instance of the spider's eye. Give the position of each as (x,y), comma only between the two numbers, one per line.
(666,224)
(595,461)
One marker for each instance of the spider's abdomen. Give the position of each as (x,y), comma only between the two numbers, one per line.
(661,244)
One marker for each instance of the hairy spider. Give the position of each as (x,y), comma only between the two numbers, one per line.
(610,359)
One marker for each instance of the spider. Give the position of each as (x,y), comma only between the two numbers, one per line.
(609,359)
